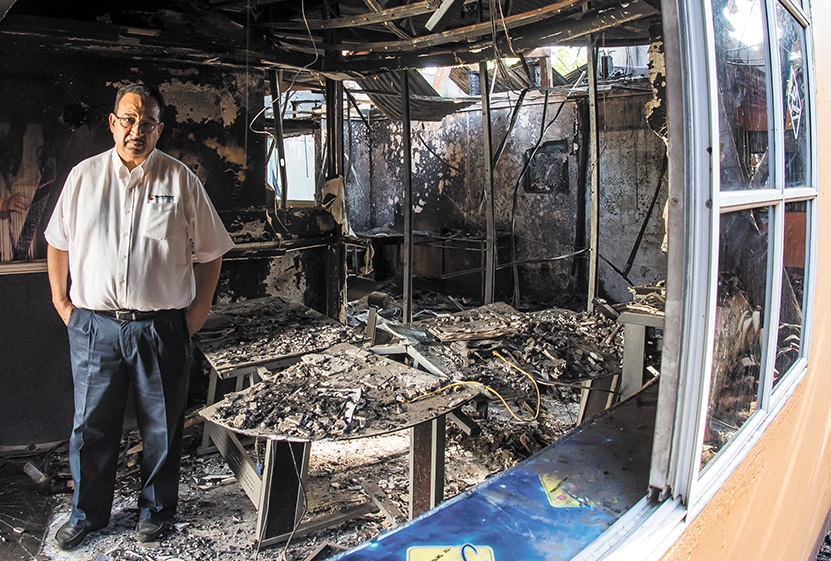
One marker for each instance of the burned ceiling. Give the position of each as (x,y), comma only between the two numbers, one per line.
(347,38)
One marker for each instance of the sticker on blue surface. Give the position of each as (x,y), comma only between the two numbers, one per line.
(466,552)
(561,493)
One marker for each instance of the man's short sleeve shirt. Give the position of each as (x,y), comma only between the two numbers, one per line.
(132,235)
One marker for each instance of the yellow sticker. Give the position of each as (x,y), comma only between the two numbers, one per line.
(466,552)
(560,494)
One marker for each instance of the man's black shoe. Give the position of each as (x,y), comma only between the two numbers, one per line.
(150,529)
(71,535)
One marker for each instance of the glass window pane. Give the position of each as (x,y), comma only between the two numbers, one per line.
(742,67)
(300,168)
(738,346)
(790,310)
(797,132)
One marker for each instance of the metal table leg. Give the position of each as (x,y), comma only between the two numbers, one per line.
(426,465)
(282,493)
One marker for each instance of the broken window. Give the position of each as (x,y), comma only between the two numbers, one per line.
(797,129)
(743,77)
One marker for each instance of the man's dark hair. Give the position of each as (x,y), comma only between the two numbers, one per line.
(143,90)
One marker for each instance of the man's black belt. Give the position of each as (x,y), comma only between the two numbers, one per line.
(131,315)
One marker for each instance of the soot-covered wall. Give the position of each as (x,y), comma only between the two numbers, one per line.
(547,207)
(53,114)
(631,157)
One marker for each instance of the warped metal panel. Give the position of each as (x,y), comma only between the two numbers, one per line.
(425,103)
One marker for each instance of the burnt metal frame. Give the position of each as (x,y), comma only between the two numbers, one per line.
(408,197)
(634,342)
(277,486)
(275,77)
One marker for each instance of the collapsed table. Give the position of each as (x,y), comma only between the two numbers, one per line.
(242,339)
(344,392)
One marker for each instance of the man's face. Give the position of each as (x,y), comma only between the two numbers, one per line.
(136,128)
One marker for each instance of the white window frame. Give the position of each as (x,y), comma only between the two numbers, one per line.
(273,165)
(679,489)
(699,486)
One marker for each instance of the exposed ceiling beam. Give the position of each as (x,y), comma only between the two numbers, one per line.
(31,33)
(5,6)
(375,5)
(442,17)
(467,33)
(386,15)
(562,31)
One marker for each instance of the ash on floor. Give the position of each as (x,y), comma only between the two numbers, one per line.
(825,550)
(217,521)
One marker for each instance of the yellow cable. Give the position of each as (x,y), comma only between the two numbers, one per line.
(534,382)
(490,389)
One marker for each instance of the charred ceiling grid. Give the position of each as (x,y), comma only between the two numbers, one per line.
(368,36)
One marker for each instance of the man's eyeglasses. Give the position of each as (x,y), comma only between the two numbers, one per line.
(130,122)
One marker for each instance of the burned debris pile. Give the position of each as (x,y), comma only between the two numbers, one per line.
(646,299)
(344,392)
(496,345)
(245,332)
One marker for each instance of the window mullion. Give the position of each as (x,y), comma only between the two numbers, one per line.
(777,87)
(797,12)
(773,298)
(731,201)
(776,223)
(699,350)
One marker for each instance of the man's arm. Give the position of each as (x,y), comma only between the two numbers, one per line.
(57,263)
(207,276)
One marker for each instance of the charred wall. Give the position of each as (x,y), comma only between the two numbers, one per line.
(53,114)
(537,191)
(440,166)
(630,176)
(358,164)
(544,202)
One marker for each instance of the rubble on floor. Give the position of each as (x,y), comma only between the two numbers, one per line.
(242,332)
(516,353)
(217,522)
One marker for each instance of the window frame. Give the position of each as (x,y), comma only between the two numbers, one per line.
(679,488)
(273,163)
(678,474)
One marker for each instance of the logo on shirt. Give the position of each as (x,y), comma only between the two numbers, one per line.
(160,199)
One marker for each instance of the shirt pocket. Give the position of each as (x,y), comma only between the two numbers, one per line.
(159,220)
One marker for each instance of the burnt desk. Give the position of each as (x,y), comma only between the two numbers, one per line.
(431,345)
(241,340)
(372,395)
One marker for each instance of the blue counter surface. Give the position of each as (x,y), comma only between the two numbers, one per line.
(551,506)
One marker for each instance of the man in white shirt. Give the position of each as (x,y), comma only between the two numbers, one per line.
(125,230)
